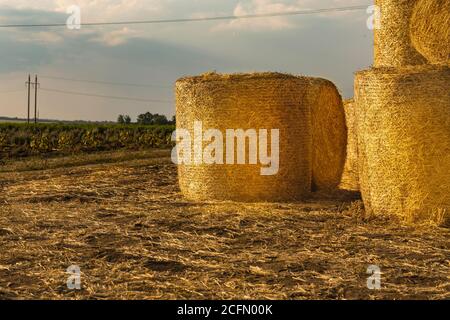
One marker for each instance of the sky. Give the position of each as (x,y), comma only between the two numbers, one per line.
(328,45)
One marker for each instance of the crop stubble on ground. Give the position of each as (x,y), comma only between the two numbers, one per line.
(134,236)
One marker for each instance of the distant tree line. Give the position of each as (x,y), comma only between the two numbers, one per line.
(146,119)
(124,119)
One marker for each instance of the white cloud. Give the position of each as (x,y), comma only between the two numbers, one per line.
(123,10)
(94,10)
(274,6)
(104,10)
(91,11)
(258,7)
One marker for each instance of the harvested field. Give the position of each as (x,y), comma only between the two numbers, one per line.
(134,237)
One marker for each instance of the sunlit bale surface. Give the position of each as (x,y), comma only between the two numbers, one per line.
(403,121)
(312,134)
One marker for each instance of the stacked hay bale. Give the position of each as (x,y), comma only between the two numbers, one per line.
(307,112)
(350,179)
(404,141)
(392,42)
(403,119)
(430,32)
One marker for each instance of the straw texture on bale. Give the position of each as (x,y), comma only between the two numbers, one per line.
(349,179)
(392,42)
(430,30)
(329,134)
(256,101)
(403,121)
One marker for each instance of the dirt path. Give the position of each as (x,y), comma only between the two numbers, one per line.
(133,236)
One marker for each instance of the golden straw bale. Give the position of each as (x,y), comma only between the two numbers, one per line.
(430,31)
(392,42)
(403,121)
(253,101)
(329,134)
(349,179)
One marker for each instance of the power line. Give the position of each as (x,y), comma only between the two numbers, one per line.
(106,82)
(12,91)
(104,96)
(248,16)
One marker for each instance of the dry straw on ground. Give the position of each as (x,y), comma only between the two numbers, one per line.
(135,237)
(403,119)
(349,179)
(297,106)
(393,45)
(430,31)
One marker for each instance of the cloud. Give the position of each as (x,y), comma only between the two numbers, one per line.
(41,36)
(258,7)
(280,23)
(116,37)
(55,11)
(332,46)
(21,55)
(93,10)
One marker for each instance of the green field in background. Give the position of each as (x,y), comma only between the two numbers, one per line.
(22,139)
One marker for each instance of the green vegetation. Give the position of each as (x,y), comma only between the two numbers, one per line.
(155,119)
(147,118)
(22,140)
(123,119)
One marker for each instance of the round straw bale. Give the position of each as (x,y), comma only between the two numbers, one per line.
(403,121)
(430,31)
(329,134)
(392,41)
(350,179)
(251,101)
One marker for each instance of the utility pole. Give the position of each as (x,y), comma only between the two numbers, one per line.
(36,84)
(28,83)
